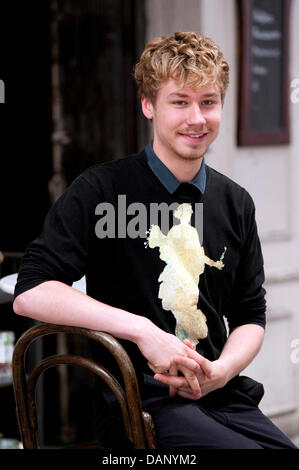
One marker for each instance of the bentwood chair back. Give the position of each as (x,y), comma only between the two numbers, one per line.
(138,424)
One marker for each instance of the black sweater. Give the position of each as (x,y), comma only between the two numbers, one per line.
(124,273)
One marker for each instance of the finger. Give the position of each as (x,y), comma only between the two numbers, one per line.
(187,394)
(173,371)
(204,363)
(180,384)
(192,372)
(187,362)
(151,366)
(191,378)
(172,380)
(156,369)
(189,344)
(192,366)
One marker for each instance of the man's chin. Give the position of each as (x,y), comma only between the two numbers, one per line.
(191,157)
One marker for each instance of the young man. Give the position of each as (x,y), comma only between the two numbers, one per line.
(167,305)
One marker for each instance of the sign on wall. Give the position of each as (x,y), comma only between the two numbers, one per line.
(263,72)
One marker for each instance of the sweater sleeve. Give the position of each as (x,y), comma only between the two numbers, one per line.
(61,251)
(248,304)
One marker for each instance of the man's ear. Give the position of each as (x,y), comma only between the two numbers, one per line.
(147,107)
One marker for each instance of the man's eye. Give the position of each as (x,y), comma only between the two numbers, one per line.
(180,103)
(207,102)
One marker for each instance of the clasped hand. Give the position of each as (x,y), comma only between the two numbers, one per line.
(197,380)
(166,355)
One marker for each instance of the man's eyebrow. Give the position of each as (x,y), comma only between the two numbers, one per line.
(178,95)
(185,95)
(211,95)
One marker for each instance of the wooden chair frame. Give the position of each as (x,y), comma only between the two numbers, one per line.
(138,424)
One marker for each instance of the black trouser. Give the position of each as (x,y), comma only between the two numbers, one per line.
(227,426)
(228,418)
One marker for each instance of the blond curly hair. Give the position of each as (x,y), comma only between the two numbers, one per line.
(190,59)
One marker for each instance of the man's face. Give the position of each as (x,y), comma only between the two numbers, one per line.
(185,121)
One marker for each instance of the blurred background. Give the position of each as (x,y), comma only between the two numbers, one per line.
(70,101)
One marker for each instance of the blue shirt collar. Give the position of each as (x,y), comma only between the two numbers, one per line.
(165,176)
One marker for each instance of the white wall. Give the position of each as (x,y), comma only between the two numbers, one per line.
(271,175)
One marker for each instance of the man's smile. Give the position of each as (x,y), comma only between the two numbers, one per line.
(194,137)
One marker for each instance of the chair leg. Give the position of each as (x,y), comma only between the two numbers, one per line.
(149,430)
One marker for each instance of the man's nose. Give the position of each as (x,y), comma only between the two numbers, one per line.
(196,116)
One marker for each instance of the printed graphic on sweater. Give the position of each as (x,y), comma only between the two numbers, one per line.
(185,261)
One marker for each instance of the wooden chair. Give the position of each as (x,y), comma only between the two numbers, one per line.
(138,424)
